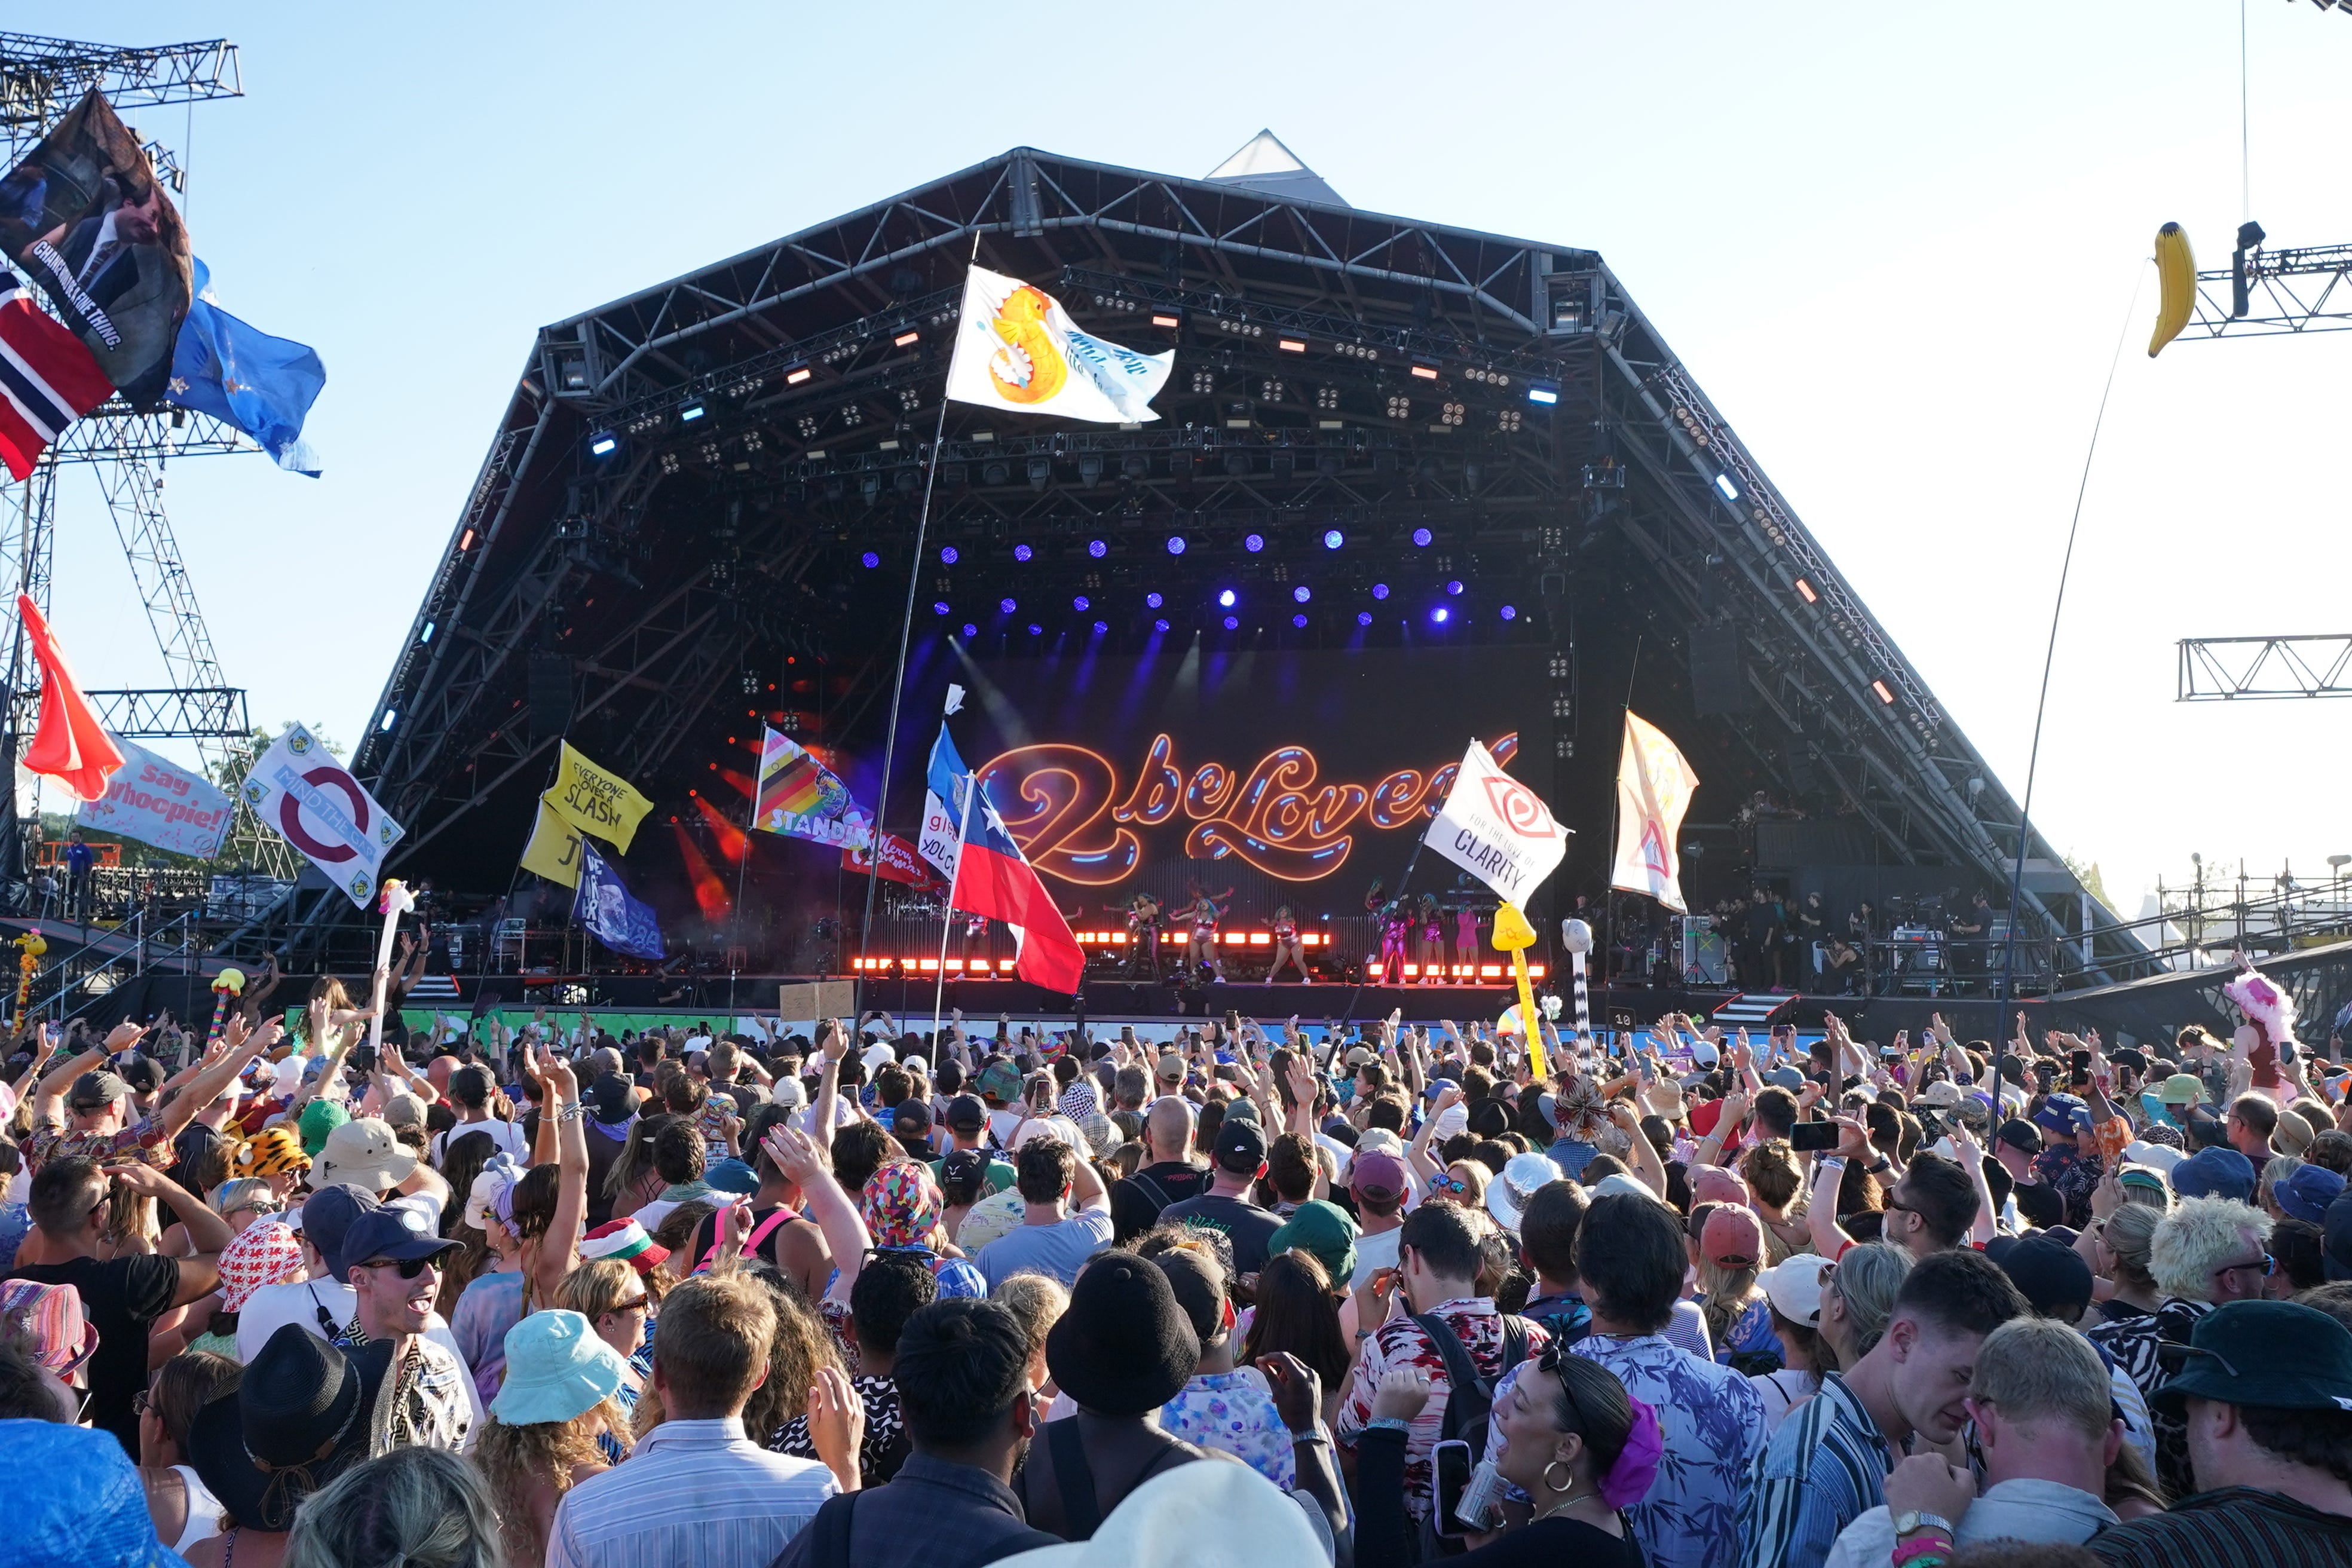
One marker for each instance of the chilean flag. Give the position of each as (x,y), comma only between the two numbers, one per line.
(965,837)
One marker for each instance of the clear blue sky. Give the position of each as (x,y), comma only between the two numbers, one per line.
(1893,243)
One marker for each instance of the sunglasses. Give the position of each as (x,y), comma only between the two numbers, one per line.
(410,1267)
(1448,1184)
(259,1206)
(637,1303)
(2266,1266)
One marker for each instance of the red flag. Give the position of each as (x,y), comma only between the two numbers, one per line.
(899,864)
(70,744)
(48,379)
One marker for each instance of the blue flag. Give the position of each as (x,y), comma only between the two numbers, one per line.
(611,915)
(261,384)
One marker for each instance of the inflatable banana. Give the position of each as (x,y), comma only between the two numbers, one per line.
(2176,273)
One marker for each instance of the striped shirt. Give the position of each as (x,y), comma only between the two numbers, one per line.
(2231,1528)
(1825,1468)
(695,1493)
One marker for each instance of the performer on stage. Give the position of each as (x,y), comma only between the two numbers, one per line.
(1202,912)
(1396,924)
(1142,913)
(1430,927)
(1465,939)
(1288,948)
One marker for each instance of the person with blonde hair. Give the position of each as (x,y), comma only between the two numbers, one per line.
(183,1511)
(615,1298)
(2118,1254)
(543,1433)
(1038,1301)
(420,1508)
(1858,1295)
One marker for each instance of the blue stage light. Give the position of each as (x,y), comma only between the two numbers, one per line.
(1438,614)
(939,607)
(1036,630)
(1254,542)
(1097,549)
(1730,491)
(1455,587)
(1363,617)
(1022,552)
(1333,539)
(1233,623)
(1160,625)
(1302,593)
(1226,599)
(1421,537)
(1175,544)
(947,554)
(1153,600)
(970,630)
(604,444)
(1379,590)
(1006,605)
(1298,621)
(1081,603)
(1100,628)
(1543,392)
(690,413)
(871,559)
(1510,613)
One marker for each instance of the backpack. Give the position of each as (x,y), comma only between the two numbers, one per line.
(1470,1397)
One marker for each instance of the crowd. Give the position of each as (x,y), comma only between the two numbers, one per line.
(870,1297)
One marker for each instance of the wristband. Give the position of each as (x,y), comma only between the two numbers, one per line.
(1929,1548)
(1388,1423)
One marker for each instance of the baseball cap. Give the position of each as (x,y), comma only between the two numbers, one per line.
(1618,1184)
(2306,1194)
(1169,1068)
(1372,1173)
(2019,1134)
(395,1232)
(1794,1287)
(2277,1355)
(2215,1173)
(2051,1277)
(1358,1054)
(1241,1145)
(1714,1185)
(320,1117)
(966,1113)
(1786,1078)
(328,1216)
(403,1110)
(911,1119)
(97,1091)
(999,1080)
(1733,1237)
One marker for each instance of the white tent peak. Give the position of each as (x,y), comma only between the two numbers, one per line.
(1264,163)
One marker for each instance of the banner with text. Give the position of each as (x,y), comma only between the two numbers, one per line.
(1498,829)
(158,802)
(598,803)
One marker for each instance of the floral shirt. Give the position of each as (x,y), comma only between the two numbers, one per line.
(1714,1422)
(143,1141)
(1234,1412)
(1399,1343)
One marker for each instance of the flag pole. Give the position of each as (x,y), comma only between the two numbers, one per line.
(1616,802)
(906,630)
(946,912)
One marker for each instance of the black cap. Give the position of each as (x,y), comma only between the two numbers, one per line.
(96,1091)
(966,1113)
(2051,1277)
(1241,1145)
(2019,1134)
(911,1119)
(612,1098)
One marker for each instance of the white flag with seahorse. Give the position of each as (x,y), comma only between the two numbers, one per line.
(1016,348)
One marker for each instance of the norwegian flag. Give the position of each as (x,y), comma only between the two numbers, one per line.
(48,379)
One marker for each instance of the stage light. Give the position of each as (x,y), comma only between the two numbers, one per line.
(1509,613)
(1022,552)
(390,716)
(1455,587)
(970,630)
(1006,605)
(1422,536)
(1805,591)
(1080,603)
(1254,542)
(1730,491)
(1160,625)
(1425,372)
(1175,544)
(1036,630)
(1298,621)
(939,608)
(870,560)
(1544,393)
(1291,345)
(1100,628)
(1438,614)
(690,413)
(1233,623)
(797,374)
(1302,593)
(1226,599)
(1159,320)
(1884,694)
(1153,600)
(602,444)
(1333,539)
(947,554)
(1379,590)
(903,338)
(1363,617)
(1097,549)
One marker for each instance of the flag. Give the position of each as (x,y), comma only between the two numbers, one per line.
(84,214)
(156,801)
(261,384)
(600,804)
(553,851)
(48,379)
(899,864)
(1653,790)
(1498,829)
(603,905)
(1016,348)
(303,793)
(799,797)
(69,745)
(988,875)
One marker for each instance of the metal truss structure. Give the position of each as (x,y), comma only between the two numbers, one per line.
(2266,293)
(2226,669)
(686,482)
(41,78)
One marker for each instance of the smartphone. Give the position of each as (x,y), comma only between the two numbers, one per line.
(1449,1469)
(1814,1137)
(1931,1126)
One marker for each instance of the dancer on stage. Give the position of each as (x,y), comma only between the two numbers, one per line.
(1395,919)
(1430,927)
(1465,940)
(1202,912)
(1142,913)
(1287,947)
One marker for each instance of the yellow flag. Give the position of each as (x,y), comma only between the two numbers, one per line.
(600,804)
(553,851)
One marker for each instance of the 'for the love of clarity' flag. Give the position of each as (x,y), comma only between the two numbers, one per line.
(261,384)
(1497,829)
(1653,790)
(1016,348)
(70,744)
(302,792)
(988,875)
(603,905)
(48,380)
(801,798)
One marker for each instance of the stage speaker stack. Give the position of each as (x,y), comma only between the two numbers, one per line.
(1720,671)
(550,694)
